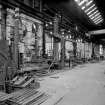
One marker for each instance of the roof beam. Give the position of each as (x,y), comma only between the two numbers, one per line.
(97,32)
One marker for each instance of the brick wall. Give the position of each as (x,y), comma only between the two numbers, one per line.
(26,23)
(68,47)
(97,50)
(29,38)
(10,23)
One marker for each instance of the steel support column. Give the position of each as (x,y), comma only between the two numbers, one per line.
(74,49)
(3,47)
(55,44)
(62,52)
(16,38)
(93,54)
(44,42)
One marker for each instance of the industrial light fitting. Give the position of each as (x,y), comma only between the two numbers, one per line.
(76,0)
(91,11)
(63,33)
(70,36)
(97,14)
(88,9)
(82,2)
(51,32)
(94,14)
(99,22)
(46,25)
(50,23)
(99,17)
(89,3)
(83,7)
(69,31)
(95,17)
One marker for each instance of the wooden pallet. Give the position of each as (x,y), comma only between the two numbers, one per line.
(30,97)
(22,92)
(4,96)
(40,100)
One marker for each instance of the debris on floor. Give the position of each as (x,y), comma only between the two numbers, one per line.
(55,77)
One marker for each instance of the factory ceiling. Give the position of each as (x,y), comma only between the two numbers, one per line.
(74,12)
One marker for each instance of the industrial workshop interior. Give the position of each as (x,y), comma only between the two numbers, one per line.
(52,52)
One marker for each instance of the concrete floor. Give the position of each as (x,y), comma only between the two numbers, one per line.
(83,85)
